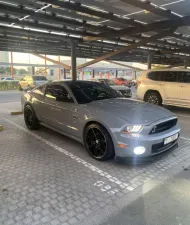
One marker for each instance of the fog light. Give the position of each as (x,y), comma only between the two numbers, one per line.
(139,150)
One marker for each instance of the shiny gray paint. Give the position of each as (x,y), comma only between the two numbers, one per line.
(70,119)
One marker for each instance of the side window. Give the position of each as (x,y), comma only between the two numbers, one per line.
(169,76)
(153,75)
(58,93)
(184,77)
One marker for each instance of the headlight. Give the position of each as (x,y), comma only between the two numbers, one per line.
(132,129)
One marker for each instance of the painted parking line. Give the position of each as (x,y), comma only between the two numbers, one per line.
(78,160)
(184,138)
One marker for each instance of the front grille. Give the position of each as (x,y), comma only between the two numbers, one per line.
(157,148)
(161,127)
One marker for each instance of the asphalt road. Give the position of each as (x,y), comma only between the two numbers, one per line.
(10,96)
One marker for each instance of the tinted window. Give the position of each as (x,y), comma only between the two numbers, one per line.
(58,92)
(169,76)
(184,77)
(153,75)
(39,78)
(86,92)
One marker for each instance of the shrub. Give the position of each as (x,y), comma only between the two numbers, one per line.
(9,85)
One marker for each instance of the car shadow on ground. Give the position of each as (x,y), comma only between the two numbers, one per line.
(176,109)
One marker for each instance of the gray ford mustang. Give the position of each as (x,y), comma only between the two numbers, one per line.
(98,117)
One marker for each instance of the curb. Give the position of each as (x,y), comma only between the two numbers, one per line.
(17,113)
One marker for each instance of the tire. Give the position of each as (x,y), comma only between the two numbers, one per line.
(153,97)
(30,118)
(98,142)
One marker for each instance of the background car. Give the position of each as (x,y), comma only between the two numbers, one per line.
(29,82)
(121,81)
(7,79)
(123,90)
(166,86)
(94,115)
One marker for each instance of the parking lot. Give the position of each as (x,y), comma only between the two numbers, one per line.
(47,178)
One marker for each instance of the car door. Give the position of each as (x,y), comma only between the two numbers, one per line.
(39,102)
(168,87)
(184,88)
(59,107)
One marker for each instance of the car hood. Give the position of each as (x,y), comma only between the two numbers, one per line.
(132,111)
(119,87)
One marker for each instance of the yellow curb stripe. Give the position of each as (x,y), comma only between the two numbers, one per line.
(17,113)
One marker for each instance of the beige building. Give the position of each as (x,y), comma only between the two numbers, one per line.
(4,56)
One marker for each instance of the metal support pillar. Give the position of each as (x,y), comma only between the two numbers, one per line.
(73,61)
(149,62)
(33,70)
(116,73)
(64,73)
(59,70)
(12,70)
(135,74)
(92,73)
(185,64)
(82,74)
(45,66)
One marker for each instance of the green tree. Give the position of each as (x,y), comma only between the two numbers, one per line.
(22,71)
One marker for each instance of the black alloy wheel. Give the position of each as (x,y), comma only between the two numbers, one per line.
(153,98)
(98,142)
(30,118)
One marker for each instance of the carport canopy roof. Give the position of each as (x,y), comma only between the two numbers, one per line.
(122,30)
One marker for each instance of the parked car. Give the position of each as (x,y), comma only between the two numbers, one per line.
(29,82)
(123,90)
(166,86)
(96,116)
(7,79)
(133,83)
(121,81)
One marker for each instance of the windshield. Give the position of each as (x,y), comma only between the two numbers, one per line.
(39,78)
(85,92)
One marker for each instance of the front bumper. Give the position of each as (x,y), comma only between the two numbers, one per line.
(154,144)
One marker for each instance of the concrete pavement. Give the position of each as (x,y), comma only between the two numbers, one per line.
(48,179)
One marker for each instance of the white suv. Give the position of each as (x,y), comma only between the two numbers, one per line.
(166,86)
